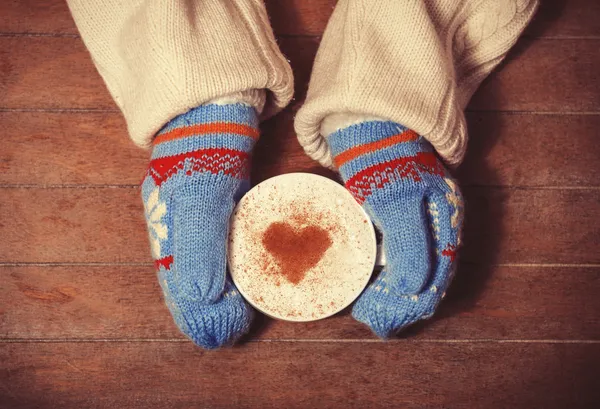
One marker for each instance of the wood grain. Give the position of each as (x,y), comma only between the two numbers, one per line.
(544,75)
(49,73)
(68,148)
(531,226)
(107,225)
(57,73)
(86,224)
(93,149)
(555,18)
(125,302)
(566,19)
(33,16)
(514,149)
(276,375)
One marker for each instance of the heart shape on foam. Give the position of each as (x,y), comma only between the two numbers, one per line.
(296,250)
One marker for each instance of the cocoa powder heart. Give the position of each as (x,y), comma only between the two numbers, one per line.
(295,250)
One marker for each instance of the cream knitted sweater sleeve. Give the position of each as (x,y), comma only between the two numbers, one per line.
(161,58)
(415,62)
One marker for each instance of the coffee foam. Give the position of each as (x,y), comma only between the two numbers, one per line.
(301,200)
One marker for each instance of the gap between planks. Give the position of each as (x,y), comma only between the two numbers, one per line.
(292,106)
(315,36)
(130,186)
(150,264)
(305,340)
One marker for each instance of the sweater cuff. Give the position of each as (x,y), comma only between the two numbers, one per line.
(160,59)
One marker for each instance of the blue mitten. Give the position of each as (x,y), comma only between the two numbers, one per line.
(403,186)
(199,169)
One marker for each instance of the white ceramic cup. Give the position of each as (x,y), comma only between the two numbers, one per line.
(301,200)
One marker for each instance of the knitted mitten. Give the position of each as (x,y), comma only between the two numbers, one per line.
(397,177)
(199,169)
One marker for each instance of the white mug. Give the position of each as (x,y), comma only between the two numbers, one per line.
(301,200)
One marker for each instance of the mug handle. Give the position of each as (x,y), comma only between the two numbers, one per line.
(380,260)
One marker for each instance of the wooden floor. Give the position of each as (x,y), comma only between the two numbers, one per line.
(82,321)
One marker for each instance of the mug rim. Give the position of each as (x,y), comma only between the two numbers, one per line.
(333,185)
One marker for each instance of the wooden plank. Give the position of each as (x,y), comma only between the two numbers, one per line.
(69,148)
(107,225)
(555,18)
(125,302)
(70,225)
(507,149)
(544,75)
(300,375)
(531,226)
(83,302)
(504,150)
(57,73)
(49,73)
(39,17)
(559,18)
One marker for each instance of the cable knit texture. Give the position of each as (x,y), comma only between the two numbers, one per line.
(403,186)
(412,62)
(160,59)
(199,169)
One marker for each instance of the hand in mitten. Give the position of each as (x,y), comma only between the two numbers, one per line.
(410,196)
(199,169)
